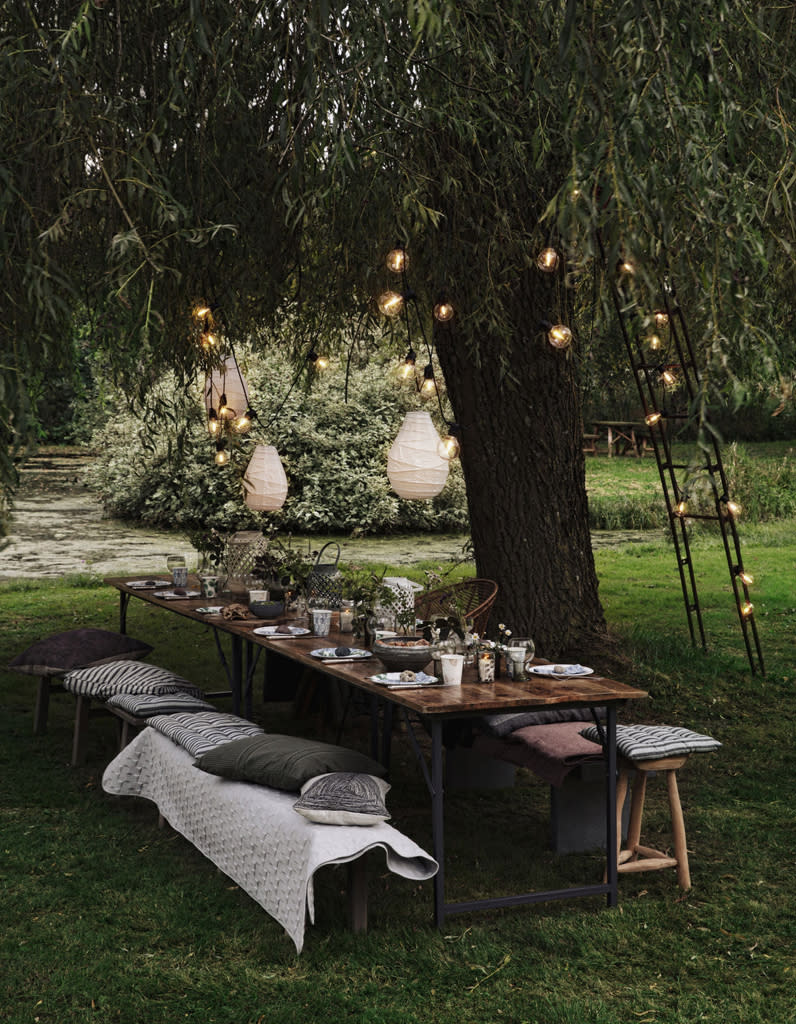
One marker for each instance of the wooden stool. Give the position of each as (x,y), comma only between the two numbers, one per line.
(636,857)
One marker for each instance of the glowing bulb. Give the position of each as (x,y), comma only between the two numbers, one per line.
(626,267)
(213,424)
(669,376)
(745,577)
(429,386)
(391,303)
(733,508)
(559,336)
(322,362)
(661,319)
(225,412)
(654,342)
(449,447)
(652,418)
(222,455)
(397,260)
(243,423)
(443,311)
(547,259)
(681,507)
(208,339)
(747,609)
(201,311)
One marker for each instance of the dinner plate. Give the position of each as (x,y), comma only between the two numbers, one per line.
(210,609)
(146,584)
(276,633)
(328,654)
(170,595)
(393,680)
(570,671)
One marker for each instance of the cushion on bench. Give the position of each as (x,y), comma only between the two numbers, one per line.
(199,732)
(144,705)
(651,742)
(344,798)
(284,762)
(549,751)
(502,725)
(102,681)
(77,648)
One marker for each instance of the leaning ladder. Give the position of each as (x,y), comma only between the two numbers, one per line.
(655,377)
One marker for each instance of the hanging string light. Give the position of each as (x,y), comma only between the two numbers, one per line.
(391,303)
(652,418)
(397,260)
(559,336)
(449,446)
(429,386)
(443,311)
(548,260)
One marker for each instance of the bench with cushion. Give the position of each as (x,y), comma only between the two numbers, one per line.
(265,809)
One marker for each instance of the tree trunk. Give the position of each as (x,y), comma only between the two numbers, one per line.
(523,462)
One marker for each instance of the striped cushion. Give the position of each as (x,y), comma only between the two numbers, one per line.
(344,798)
(201,731)
(102,681)
(650,742)
(144,705)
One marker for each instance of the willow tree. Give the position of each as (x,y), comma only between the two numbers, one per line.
(264,155)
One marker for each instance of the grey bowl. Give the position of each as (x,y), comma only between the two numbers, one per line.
(399,653)
(267,609)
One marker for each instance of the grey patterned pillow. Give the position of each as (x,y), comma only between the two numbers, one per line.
(102,681)
(144,705)
(344,798)
(200,732)
(650,742)
(502,725)
(77,648)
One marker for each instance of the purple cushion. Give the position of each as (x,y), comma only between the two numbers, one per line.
(78,648)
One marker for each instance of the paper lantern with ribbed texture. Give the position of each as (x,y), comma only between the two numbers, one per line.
(264,481)
(229,381)
(414,465)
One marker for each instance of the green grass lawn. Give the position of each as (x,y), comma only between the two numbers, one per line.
(106,918)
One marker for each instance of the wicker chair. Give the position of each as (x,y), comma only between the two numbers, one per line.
(469,599)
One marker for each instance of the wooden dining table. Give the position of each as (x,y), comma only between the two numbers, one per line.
(625,437)
(432,708)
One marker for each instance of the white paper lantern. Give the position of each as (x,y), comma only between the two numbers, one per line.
(227,380)
(264,481)
(414,465)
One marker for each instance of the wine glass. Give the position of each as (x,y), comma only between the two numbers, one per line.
(178,568)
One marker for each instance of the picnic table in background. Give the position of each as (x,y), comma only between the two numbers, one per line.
(625,437)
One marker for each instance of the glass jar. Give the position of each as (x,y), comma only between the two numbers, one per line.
(519,655)
(485,664)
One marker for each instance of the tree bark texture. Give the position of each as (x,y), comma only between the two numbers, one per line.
(523,462)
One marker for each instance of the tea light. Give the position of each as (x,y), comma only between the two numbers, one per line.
(346,618)
(486,667)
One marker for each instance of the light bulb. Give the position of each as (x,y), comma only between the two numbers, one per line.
(243,423)
(222,455)
(661,319)
(626,267)
(208,339)
(654,342)
(449,447)
(321,362)
(443,311)
(429,385)
(681,507)
(745,577)
(733,509)
(391,303)
(669,376)
(225,412)
(747,609)
(547,259)
(652,418)
(201,311)
(559,336)
(397,260)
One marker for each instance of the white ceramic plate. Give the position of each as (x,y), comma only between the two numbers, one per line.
(210,609)
(570,671)
(394,681)
(328,654)
(276,634)
(169,595)
(147,584)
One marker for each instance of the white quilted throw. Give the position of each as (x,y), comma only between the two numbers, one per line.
(252,833)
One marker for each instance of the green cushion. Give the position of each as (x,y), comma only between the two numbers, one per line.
(282,762)
(77,648)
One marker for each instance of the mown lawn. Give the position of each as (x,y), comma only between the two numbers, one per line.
(106,918)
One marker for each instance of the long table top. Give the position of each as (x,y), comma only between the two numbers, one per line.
(471,698)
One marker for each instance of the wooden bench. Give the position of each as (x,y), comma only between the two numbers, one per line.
(590,444)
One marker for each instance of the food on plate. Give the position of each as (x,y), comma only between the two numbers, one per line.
(402,642)
(407,677)
(342,652)
(560,670)
(283,629)
(181,591)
